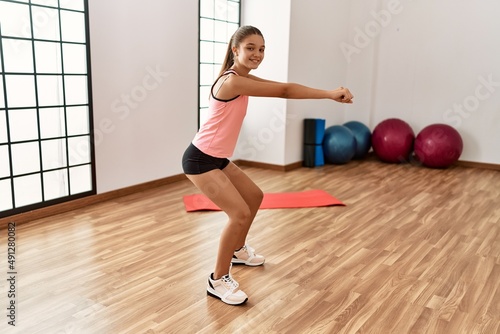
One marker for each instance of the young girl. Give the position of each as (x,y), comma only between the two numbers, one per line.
(205,161)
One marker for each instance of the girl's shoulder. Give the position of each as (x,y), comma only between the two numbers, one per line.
(229,71)
(221,89)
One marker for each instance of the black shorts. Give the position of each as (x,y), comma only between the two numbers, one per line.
(195,161)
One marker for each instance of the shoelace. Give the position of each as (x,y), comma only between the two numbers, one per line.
(229,283)
(249,250)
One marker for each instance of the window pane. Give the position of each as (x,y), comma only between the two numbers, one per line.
(54,154)
(221,10)
(81,179)
(233,12)
(206,52)
(15,19)
(52,123)
(5,195)
(206,74)
(231,29)
(219,52)
(220,32)
(206,29)
(79,150)
(45,23)
(203,115)
(25,158)
(48,57)
(72,4)
(216,69)
(20,90)
(18,56)
(3,127)
(23,125)
(4,162)
(50,92)
(76,89)
(27,190)
(73,26)
(75,58)
(204,94)
(207,8)
(78,120)
(55,184)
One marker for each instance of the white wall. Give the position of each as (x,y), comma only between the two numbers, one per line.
(145,86)
(316,29)
(262,136)
(359,53)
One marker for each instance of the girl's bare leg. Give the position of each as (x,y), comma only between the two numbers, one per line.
(218,187)
(251,194)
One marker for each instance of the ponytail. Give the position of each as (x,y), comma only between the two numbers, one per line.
(228,59)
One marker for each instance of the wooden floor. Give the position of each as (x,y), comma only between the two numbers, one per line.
(415,250)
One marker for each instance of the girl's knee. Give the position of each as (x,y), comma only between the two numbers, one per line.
(241,217)
(260,196)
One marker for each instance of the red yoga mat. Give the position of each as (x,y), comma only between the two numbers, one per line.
(303,199)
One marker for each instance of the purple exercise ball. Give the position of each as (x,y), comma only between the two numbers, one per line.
(438,146)
(392,140)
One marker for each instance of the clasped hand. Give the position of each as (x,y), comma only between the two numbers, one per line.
(342,95)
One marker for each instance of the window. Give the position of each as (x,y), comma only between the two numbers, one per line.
(219,19)
(46,151)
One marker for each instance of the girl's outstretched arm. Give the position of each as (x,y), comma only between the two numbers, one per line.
(254,86)
(253,77)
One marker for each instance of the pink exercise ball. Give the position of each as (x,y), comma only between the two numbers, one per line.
(392,140)
(438,146)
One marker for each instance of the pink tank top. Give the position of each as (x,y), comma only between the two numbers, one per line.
(218,135)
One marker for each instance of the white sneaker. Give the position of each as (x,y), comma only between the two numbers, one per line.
(246,255)
(226,289)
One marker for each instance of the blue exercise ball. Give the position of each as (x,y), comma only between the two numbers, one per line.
(339,144)
(363,137)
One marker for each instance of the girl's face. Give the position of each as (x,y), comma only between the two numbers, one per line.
(250,52)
